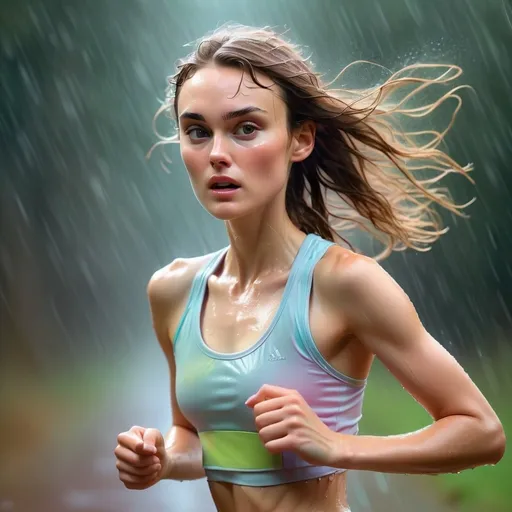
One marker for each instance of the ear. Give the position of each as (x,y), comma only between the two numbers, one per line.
(303,141)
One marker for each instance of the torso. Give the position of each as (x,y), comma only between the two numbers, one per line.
(241,320)
(327,494)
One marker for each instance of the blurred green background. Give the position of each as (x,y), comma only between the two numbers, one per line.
(85,220)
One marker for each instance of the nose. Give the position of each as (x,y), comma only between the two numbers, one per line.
(219,155)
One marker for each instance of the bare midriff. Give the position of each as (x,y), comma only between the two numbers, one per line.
(326,494)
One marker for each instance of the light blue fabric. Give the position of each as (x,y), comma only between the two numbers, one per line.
(212,387)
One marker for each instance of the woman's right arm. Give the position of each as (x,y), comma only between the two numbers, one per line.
(167,293)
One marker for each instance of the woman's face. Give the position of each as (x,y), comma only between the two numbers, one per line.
(232,129)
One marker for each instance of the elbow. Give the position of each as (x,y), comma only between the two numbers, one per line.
(493,441)
(500,442)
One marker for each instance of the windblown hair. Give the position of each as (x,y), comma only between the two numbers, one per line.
(365,170)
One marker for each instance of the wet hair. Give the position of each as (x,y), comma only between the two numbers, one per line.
(365,170)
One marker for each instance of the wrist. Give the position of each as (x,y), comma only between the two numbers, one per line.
(342,450)
(167,465)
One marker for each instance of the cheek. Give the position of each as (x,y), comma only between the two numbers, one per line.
(268,159)
(194,162)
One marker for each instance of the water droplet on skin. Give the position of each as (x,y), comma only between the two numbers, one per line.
(331,477)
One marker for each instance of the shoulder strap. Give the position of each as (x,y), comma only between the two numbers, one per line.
(196,292)
(300,296)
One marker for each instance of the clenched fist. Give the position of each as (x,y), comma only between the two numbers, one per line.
(141,457)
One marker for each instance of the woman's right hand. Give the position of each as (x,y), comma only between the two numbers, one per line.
(141,457)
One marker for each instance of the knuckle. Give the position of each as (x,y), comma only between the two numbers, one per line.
(263,436)
(294,408)
(294,421)
(148,471)
(259,422)
(258,409)
(139,462)
(272,448)
(295,398)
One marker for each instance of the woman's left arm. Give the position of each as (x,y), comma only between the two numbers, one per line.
(466,432)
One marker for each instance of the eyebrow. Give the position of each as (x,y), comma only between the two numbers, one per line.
(226,117)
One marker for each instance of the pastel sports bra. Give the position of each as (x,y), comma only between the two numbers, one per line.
(212,387)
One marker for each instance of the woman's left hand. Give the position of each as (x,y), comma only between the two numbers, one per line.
(285,422)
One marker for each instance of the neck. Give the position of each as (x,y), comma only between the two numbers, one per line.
(261,246)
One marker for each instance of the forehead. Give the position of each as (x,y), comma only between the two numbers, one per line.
(216,88)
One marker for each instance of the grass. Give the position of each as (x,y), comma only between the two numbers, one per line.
(390,410)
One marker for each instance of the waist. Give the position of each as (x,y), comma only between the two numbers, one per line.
(327,493)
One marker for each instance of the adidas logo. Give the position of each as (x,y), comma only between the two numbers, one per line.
(275,355)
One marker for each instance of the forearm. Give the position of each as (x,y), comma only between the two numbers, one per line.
(184,454)
(449,445)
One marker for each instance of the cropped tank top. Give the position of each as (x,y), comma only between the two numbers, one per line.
(212,387)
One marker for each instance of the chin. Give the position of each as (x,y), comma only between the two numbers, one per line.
(226,211)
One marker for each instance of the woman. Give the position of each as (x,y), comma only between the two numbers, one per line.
(270,341)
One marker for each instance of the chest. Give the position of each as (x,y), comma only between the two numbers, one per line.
(212,387)
(234,321)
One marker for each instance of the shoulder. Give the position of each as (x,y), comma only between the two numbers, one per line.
(170,283)
(342,270)
(357,283)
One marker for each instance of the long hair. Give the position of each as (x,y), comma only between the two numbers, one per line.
(365,170)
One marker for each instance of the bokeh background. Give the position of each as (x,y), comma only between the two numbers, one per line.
(85,220)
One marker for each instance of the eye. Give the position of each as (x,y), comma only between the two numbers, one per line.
(196,132)
(246,129)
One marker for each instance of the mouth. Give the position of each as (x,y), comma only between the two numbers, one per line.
(223,183)
(224,186)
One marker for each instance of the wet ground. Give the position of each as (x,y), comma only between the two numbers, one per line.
(60,454)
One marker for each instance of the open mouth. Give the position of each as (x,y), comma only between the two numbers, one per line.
(224,186)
